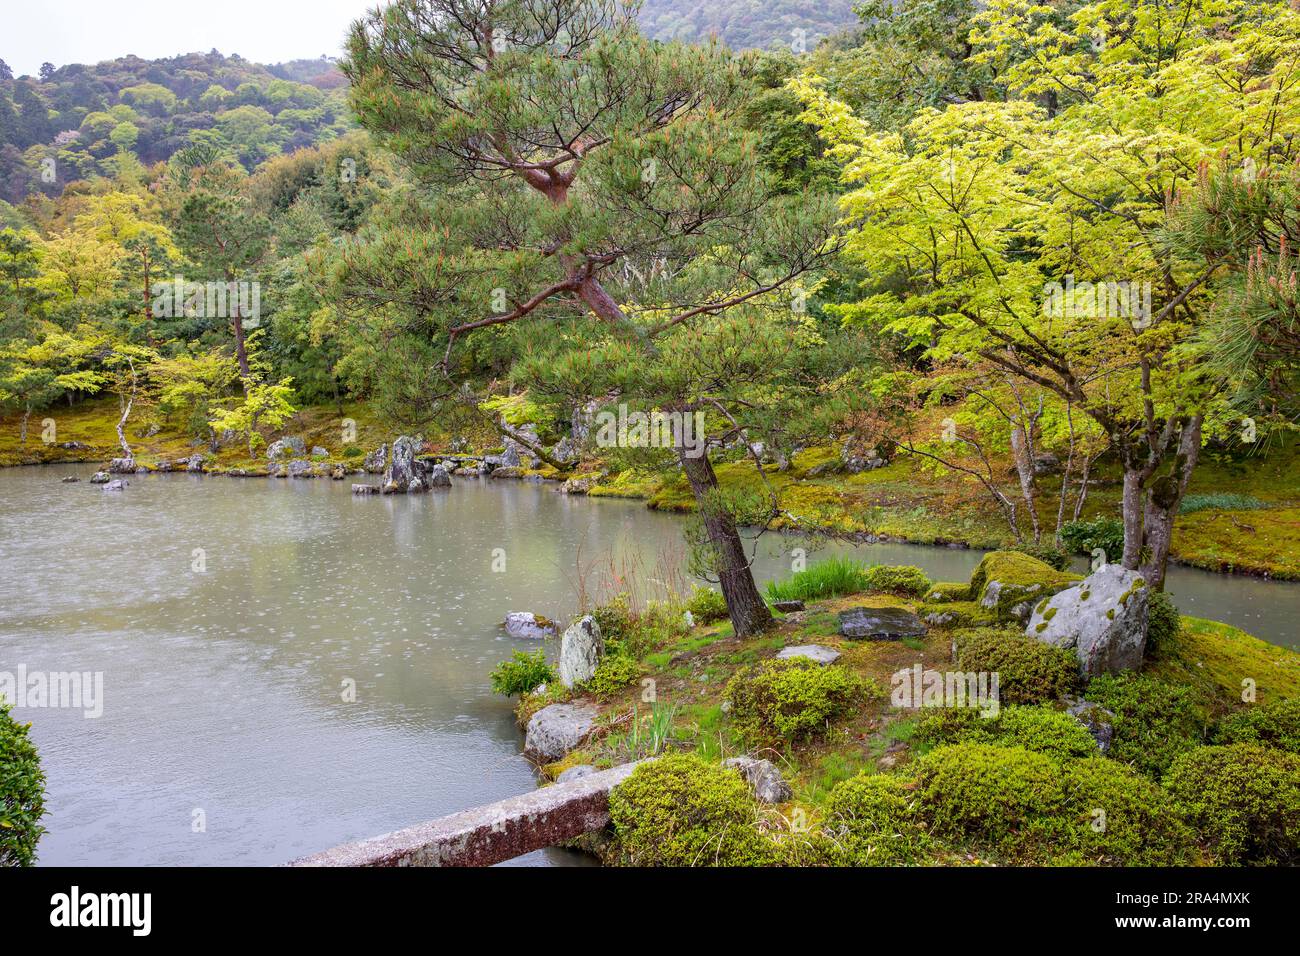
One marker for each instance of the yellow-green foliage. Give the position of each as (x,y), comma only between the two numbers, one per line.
(1140,826)
(626,484)
(902,579)
(1154,720)
(778,701)
(956,614)
(707,605)
(1271,725)
(874,820)
(948,591)
(1243,802)
(1042,729)
(1029,671)
(612,674)
(682,811)
(22,792)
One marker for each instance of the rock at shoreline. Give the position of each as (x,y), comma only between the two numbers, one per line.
(818,653)
(581,649)
(576,773)
(339,472)
(194,464)
(122,466)
(365,489)
(290,445)
(555,730)
(578,486)
(437,477)
(1103,619)
(763,778)
(376,462)
(507,472)
(300,468)
(526,624)
(68,479)
(880,624)
(99,478)
(117,484)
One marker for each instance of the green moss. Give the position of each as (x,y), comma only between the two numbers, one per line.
(626,484)
(1019,577)
(948,591)
(956,614)
(904,580)
(1243,802)
(1117,817)
(1218,661)
(1043,730)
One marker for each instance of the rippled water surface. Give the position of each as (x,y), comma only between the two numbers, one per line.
(223,687)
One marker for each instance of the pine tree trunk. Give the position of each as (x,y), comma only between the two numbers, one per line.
(1165,495)
(746,607)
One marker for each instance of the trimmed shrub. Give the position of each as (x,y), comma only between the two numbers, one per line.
(521,674)
(875,820)
(903,579)
(613,673)
(1044,730)
(1006,798)
(22,792)
(1276,724)
(1163,623)
(1085,536)
(1154,721)
(777,701)
(1029,671)
(1138,824)
(681,811)
(707,605)
(1243,802)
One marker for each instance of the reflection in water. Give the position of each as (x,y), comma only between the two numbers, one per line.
(224,687)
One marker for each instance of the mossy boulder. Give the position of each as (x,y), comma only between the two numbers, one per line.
(944,591)
(952,614)
(1010,583)
(1103,620)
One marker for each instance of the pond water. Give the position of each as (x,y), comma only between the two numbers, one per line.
(228,618)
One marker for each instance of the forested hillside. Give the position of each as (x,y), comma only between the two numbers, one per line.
(76,121)
(746,24)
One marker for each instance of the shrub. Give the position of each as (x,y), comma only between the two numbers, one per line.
(1221,501)
(707,605)
(521,674)
(874,820)
(681,811)
(1243,802)
(1005,798)
(352,451)
(1029,671)
(1100,532)
(1044,730)
(1140,825)
(1154,721)
(1163,623)
(612,673)
(22,792)
(615,618)
(900,580)
(776,701)
(831,578)
(1276,724)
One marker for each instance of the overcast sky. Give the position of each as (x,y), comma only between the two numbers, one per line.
(33,32)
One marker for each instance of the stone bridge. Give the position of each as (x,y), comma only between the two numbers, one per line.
(488,834)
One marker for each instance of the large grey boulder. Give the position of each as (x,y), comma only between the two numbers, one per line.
(576,773)
(880,624)
(817,653)
(99,478)
(555,730)
(1103,619)
(437,477)
(401,470)
(117,484)
(291,446)
(299,468)
(763,778)
(526,624)
(122,466)
(581,649)
(194,463)
(377,461)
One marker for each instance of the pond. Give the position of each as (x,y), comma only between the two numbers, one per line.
(231,617)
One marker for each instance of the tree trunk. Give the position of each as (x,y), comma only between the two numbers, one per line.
(746,607)
(1163,498)
(241,350)
(1132,512)
(1022,450)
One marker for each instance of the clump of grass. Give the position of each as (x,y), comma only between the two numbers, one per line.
(826,579)
(1220,501)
